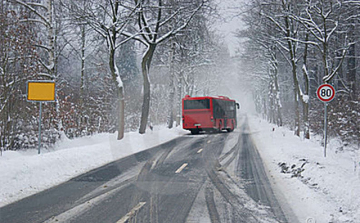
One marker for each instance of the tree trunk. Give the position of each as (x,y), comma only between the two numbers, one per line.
(277,100)
(191,81)
(82,81)
(179,94)
(351,64)
(271,110)
(325,51)
(306,92)
(145,67)
(306,107)
(171,101)
(276,90)
(296,106)
(292,51)
(264,109)
(121,113)
(51,36)
(120,92)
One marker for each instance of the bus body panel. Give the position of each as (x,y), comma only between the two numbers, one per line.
(197,119)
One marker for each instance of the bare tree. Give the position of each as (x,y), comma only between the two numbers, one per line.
(288,44)
(267,39)
(109,20)
(153,28)
(308,32)
(19,62)
(171,98)
(44,14)
(322,21)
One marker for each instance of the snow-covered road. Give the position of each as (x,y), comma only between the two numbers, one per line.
(313,187)
(162,184)
(27,173)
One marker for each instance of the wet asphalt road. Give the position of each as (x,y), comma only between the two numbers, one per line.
(200,178)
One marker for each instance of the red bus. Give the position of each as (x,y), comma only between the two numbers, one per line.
(208,113)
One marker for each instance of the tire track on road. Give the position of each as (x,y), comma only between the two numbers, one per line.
(210,203)
(246,209)
(249,167)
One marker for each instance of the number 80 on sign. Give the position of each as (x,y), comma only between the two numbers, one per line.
(325,92)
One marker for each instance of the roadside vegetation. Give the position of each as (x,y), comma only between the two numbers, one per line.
(118,65)
(292,47)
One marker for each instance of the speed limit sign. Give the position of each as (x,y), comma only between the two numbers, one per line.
(325,92)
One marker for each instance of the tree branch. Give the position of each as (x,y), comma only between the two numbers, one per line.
(26,5)
(186,23)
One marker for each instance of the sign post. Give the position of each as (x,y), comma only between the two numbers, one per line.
(40,91)
(325,127)
(325,93)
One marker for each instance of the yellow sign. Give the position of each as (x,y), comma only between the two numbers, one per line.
(41,91)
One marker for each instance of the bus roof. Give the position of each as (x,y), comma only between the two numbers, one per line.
(187,97)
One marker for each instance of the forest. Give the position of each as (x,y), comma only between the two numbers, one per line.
(119,66)
(292,47)
(124,65)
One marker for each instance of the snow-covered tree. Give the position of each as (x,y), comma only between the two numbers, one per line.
(43,13)
(110,20)
(156,22)
(19,62)
(305,33)
(322,21)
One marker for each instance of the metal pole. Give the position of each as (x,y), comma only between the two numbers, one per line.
(325,128)
(39,140)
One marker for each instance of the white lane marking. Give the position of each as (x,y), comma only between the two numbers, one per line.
(209,141)
(200,150)
(131,213)
(181,168)
(78,210)
(114,183)
(153,164)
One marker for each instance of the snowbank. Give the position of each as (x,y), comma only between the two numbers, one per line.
(315,187)
(25,173)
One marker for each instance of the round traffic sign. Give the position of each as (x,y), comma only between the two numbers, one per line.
(325,92)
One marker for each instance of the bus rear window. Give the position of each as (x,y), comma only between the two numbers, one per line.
(197,104)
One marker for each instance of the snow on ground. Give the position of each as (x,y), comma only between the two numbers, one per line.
(317,188)
(24,173)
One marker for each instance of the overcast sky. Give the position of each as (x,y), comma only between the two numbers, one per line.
(233,87)
(229,10)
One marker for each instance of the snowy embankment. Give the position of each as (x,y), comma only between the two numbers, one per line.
(317,188)
(25,173)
